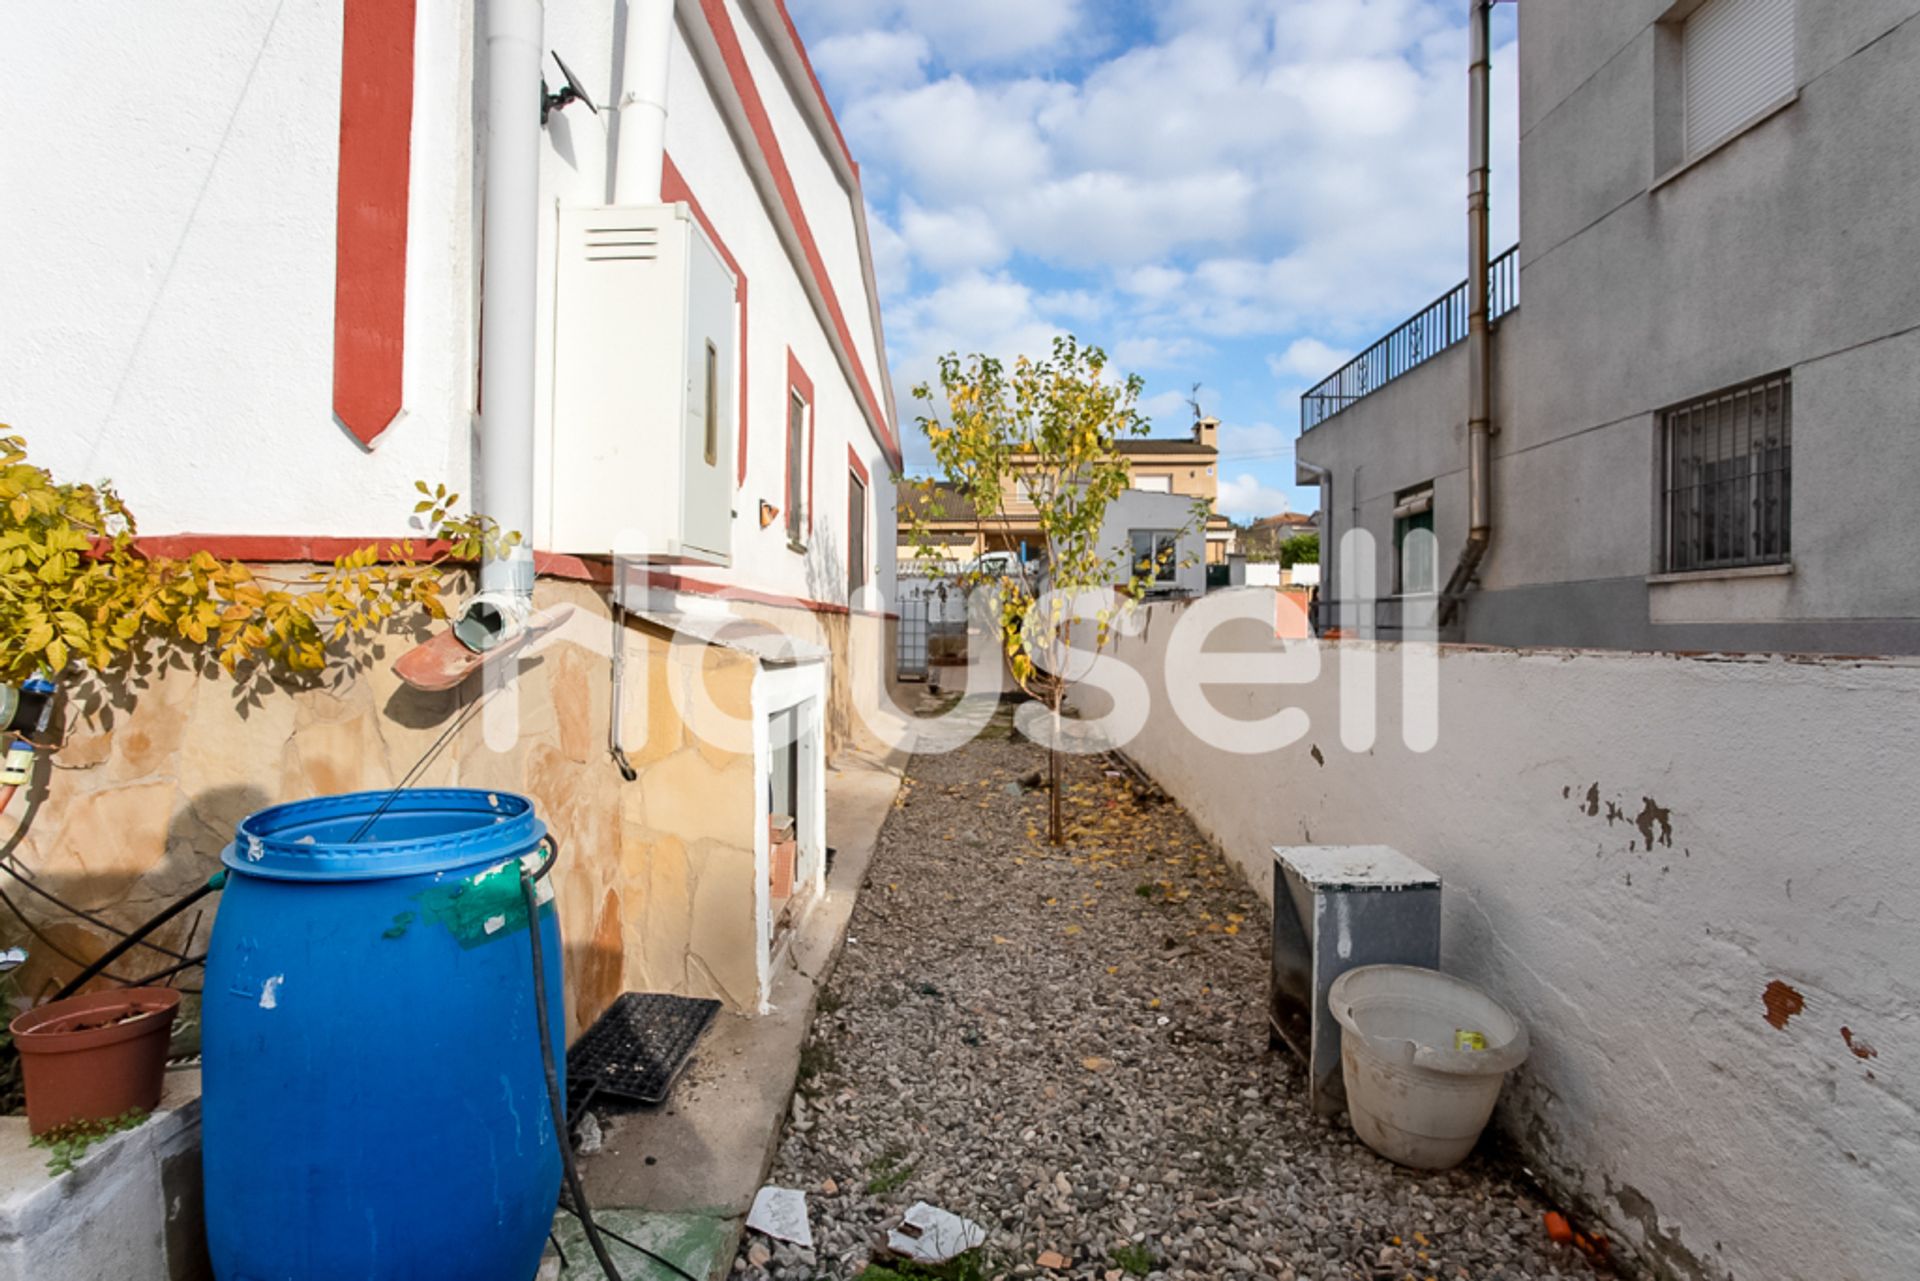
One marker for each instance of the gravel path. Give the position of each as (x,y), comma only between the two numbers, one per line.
(1070,1048)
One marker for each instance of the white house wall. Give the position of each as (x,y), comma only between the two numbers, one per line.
(168,211)
(170,273)
(822,193)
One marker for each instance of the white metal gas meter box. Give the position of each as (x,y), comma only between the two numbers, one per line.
(644,387)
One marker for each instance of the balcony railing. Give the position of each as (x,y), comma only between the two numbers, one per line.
(1422,338)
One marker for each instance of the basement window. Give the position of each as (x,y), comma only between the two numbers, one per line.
(1727,462)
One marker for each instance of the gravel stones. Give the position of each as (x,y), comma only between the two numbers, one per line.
(1070,1047)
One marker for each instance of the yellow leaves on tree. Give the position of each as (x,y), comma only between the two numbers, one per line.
(75,587)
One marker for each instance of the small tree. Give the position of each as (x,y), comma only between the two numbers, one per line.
(1301,549)
(1037,445)
(78,592)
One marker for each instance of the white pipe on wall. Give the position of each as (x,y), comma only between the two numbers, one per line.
(644,66)
(515,33)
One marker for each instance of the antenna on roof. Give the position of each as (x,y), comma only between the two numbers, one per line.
(1193,403)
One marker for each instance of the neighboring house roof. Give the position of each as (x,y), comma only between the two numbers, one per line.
(1167,447)
(934,501)
(1285,520)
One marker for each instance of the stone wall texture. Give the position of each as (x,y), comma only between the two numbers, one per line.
(656,883)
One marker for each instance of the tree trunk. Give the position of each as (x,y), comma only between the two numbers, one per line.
(1056,834)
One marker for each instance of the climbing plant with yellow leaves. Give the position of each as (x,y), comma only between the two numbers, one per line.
(78,592)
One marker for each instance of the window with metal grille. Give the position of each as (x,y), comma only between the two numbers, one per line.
(1729,478)
(1739,62)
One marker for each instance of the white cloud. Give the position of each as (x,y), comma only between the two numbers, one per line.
(992,31)
(864,62)
(1246,495)
(951,240)
(1256,177)
(1254,442)
(1306,358)
(1141,354)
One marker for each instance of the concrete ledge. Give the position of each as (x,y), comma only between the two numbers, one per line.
(130,1210)
(706,1153)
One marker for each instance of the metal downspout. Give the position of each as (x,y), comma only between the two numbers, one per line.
(1479,344)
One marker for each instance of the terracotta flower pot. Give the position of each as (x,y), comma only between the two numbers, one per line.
(94,1057)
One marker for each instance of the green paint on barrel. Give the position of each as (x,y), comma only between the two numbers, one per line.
(480,909)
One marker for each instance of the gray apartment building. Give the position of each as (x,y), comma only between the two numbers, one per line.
(1703,370)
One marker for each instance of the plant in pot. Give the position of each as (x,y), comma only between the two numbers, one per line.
(87,608)
(94,1057)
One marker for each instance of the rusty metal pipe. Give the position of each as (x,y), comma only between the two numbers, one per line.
(1479,319)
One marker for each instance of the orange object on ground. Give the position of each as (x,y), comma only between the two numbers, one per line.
(1558,1229)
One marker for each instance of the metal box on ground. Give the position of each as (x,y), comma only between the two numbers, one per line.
(645,388)
(1336,907)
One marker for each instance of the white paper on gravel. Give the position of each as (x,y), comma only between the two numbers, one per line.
(781,1213)
(931,1235)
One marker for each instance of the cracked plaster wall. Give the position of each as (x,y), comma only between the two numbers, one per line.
(1725,1018)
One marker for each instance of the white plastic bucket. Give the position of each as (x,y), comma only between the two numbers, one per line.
(1412,1096)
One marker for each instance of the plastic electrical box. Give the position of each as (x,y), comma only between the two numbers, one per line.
(645,388)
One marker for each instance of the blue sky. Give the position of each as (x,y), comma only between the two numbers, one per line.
(1235,193)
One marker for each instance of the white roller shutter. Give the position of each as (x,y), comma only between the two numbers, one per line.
(1739,61)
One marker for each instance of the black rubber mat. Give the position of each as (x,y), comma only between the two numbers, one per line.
(634,1051)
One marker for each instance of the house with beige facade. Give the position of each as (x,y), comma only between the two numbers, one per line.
(602,269)
(1183,467)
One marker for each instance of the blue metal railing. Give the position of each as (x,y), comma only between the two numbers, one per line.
(1419,340)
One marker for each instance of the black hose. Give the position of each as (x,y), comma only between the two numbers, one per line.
(582,1210)
(92,918)
(149,979)
(213,886)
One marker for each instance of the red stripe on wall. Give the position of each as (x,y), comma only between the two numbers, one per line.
(793,33)
(674,189)
(370,269)
(762,125)
(300,549)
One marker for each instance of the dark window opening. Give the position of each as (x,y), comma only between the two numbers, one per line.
(1728,478)
(1416,549)
(797,470)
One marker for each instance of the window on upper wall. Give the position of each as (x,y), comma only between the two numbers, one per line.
(1150,484)
(856,537)
(1737,62)
(1416,550)
(797,410)
(1727,461)
(1155,555)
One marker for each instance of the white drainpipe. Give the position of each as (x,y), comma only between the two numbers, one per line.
(515,34)
(644,65)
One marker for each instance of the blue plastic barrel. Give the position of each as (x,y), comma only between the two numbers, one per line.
(374,1103)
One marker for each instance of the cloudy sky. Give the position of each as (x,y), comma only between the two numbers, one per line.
(1235,193)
